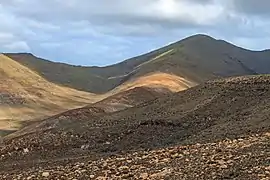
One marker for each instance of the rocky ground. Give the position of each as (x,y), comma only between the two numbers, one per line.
(7,98)
(218,130)
(243,158)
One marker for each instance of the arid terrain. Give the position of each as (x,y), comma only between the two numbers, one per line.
(196,109)
(26,96)
(199,124)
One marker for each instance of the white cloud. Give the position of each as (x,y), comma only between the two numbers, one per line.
(41,25)
(6,37)
(49,45)
(251,7)
(122,28)
(17,46)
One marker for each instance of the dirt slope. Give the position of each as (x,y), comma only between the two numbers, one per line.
(212,112)
(117,102)
(25,95)
(157,80)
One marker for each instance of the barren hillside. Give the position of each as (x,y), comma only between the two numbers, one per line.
(25,95)
(235,108)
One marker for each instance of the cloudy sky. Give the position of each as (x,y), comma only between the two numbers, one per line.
(102,32)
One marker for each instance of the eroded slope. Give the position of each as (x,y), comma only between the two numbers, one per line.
(25,95)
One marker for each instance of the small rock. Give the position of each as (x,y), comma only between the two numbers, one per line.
(101,178)
(124,169)
(92,176)
(144,175)
(86,146)
(221,162)
(45,174)
(26,150)
(161,174)
(176,155)
(224,166)
(166,160)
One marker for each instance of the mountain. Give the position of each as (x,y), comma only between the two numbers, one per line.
(116,102)
(216,117)
(24,95)
(196,59)
(195,109)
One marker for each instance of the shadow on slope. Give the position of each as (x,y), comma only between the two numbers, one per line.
(227,108)
(114,103)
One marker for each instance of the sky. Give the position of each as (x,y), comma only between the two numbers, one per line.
(103,32)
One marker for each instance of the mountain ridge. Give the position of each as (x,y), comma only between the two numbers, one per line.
(208,57)
(196,36)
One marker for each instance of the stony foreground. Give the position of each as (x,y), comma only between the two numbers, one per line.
(242,158)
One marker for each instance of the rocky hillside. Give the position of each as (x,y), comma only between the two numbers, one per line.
(196,59)
(27,96)
(220,128)
(117,102)
(243,158)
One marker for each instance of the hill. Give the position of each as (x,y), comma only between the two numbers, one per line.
(229,118)
(117,102)
(24,95)
(131,97)
(196,59)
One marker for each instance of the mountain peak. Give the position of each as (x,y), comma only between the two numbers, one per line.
(199,37)
(196,39)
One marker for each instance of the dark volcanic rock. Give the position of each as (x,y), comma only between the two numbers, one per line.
(243,158)
(229,118)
